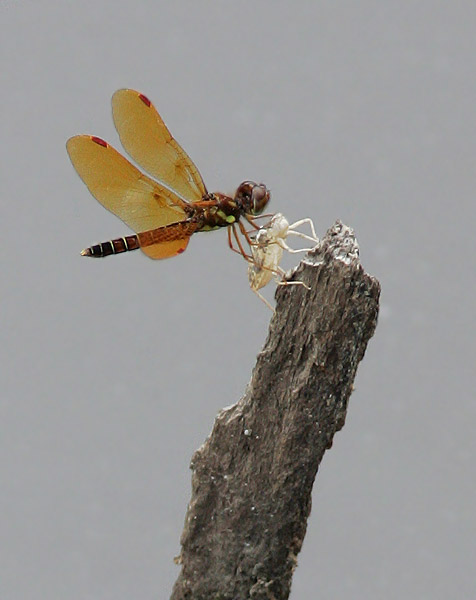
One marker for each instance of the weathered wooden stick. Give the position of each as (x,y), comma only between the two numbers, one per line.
(252,478)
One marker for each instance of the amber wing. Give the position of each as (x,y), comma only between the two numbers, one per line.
(148,141)
(140,202)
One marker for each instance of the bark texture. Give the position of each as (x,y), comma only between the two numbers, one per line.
(252,478)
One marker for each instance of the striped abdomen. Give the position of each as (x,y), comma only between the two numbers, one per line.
(124,244)
(170,233)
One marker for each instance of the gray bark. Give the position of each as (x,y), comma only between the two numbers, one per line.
(252,478)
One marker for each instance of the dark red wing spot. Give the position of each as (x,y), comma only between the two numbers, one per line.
(99,141)
(181,250)
(144,99)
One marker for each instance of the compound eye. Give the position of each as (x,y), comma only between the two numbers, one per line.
(259,198)
(245,189)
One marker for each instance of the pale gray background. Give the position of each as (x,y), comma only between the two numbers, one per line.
(112,371)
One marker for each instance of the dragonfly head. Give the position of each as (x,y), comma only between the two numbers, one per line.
(253,197)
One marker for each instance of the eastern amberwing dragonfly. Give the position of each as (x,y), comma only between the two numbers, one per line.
(164,213)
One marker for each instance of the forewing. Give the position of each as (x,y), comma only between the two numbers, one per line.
(139,201)
(147,140)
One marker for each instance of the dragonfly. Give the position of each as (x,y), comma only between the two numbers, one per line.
(163,210)
(267,249)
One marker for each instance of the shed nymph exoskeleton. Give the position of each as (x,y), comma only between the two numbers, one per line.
(267,250)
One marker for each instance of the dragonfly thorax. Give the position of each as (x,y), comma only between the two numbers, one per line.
(219,210)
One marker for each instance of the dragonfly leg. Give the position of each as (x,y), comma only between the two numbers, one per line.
(230,241)
(250,221)
(241,250)
(245,233)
